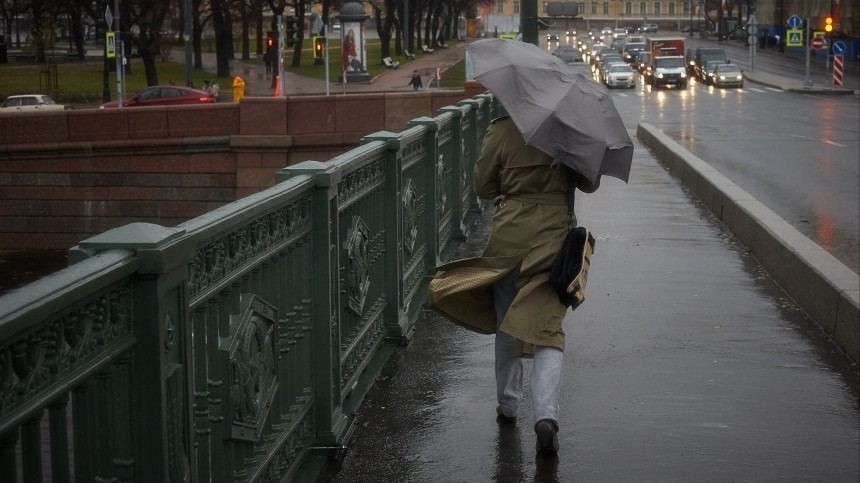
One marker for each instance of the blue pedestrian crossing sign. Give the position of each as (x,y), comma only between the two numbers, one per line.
(794,38)
(794,21)
(839,47)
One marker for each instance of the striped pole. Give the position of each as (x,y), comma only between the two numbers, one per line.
(838,65)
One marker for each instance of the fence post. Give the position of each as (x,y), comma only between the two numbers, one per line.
(332,426)
(161,403)
(400,327)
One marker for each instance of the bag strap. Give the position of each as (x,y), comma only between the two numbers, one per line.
(571,196)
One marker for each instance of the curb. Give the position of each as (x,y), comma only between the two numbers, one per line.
(825,288)
(811,90)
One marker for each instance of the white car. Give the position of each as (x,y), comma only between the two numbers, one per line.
(31,102)
(620,75)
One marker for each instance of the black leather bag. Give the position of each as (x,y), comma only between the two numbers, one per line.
(569,273)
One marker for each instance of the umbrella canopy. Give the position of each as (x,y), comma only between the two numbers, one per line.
(559,111)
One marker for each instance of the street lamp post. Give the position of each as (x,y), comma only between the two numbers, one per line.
(690,3)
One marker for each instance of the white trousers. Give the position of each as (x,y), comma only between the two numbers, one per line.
(546,370)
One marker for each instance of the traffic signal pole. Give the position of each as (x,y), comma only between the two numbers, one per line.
(807,82)
(529,21)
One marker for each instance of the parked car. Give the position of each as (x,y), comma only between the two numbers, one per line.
(164,96)
(620,75)
(728,75)
(31,103)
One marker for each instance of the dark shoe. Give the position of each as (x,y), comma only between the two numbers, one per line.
(547,437)
(505,420)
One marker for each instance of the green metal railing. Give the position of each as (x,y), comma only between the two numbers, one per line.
(229,347)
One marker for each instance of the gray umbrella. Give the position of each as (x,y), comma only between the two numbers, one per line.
(559,111)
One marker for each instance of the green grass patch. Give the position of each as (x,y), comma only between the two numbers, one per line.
(81,84)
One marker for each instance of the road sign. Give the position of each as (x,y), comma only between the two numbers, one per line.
(839,47)
(794,38)
(838,66)
(108,18)
(752,40)
(752,30)
(818,43)
(794,21)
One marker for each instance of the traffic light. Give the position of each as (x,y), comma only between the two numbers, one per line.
(270,42)
(828,24)
(319,47)
(291,29)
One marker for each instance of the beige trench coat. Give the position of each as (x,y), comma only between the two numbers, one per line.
(529,226)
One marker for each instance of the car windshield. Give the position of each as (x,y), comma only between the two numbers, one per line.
(728,69)
(620,68)
(669,62)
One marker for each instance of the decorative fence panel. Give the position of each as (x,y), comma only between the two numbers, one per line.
(226,348)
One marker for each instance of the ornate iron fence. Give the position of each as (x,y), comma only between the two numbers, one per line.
(229,347)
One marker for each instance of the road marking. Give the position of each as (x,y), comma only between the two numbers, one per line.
(833,143)
(755,90)
(825,141)
(621,94)
(774,89)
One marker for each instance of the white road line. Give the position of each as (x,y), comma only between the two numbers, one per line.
(621,94)
(825,141)
(774,89)
(755,90)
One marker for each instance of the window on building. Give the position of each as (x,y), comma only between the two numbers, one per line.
(656,9)
(642,9)
(517,7)
(671,8)
(593,8)
(605,8)
(580,8)
(686,8)
(628,8)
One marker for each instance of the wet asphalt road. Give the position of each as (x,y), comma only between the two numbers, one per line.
(685,363)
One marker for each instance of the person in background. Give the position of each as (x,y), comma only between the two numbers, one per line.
(416,82)
(212,88)
(238,88)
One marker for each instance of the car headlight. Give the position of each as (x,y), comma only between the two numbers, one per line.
(683,74)
(740,77)
(659,75)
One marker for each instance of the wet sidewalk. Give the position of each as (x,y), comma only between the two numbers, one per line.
(685,363)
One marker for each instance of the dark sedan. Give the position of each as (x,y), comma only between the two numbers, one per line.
(164,96)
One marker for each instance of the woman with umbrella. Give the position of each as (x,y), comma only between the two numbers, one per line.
(530,223)
(507,291)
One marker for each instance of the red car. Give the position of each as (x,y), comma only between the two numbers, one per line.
(164,96)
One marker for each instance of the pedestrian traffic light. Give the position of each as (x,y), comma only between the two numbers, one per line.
(828,24)
(270,43)
(319,47)
(291,30)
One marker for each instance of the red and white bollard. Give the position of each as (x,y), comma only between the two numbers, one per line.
(838,67)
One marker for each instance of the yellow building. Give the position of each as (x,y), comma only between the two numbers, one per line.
(677,14)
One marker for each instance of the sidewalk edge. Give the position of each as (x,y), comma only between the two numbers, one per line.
(825,288)
(812,90)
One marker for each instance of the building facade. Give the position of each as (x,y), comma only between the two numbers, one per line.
(677,14)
